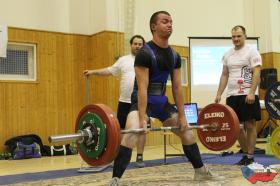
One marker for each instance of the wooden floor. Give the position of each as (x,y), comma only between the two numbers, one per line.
(11,167)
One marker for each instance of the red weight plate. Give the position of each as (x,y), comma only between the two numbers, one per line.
(228,127)
(113,137)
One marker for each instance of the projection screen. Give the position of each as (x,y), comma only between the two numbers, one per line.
(206,66)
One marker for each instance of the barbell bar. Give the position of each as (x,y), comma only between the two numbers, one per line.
(86,134)
(140,130)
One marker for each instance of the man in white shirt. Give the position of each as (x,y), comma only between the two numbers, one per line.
(241,73)
(124,68)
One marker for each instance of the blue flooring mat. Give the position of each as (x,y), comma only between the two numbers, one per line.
(207,158)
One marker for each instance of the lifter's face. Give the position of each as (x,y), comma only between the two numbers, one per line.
(163,26)
(136,45)
(238,38)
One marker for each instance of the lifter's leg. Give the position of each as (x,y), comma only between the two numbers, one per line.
(192,152)
(190,147)
(128,142)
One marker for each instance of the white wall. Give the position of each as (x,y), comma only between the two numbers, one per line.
(80,17)
(98,17)
(70,16)
(191,17)
(35,14)
(93,16)
(275,25)
(114,16)
(215,18)
(267,24)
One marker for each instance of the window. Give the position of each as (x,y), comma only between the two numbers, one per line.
(184,72)
(20,63)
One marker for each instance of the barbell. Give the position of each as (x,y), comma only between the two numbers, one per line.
(98,134)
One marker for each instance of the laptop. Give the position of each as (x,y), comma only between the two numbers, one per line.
(191,113)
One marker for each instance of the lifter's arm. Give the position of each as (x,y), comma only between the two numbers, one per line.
(177,92)
(142,77)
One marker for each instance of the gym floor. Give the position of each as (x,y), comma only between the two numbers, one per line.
(13,167)
(10,167)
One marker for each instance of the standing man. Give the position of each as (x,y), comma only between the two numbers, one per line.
(241,73)
(153,64)
(124,68)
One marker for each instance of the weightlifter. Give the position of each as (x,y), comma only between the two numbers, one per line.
(241,74)
(153,64)
(124,68)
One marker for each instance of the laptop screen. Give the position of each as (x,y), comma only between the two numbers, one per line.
(191,113)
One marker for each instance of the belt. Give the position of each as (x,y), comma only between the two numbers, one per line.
(156,89)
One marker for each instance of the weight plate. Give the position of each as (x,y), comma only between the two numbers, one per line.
(228,127)
(272,100)
(113,138)
(275,142)
(98,143)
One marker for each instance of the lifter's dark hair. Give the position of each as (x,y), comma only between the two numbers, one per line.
(241,27)
(136,36)
(154,17)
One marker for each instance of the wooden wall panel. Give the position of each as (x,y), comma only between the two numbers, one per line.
(49,105)
(106,47)
(270,60)
(276,63)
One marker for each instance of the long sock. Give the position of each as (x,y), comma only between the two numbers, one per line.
(122,160)
(193,154)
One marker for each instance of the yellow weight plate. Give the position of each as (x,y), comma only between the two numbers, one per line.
(275,142)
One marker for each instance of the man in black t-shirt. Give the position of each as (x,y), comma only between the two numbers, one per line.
(153,64)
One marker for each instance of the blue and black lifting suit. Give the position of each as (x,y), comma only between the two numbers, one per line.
(161,62)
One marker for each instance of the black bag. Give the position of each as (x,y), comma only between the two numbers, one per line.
(60,150)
